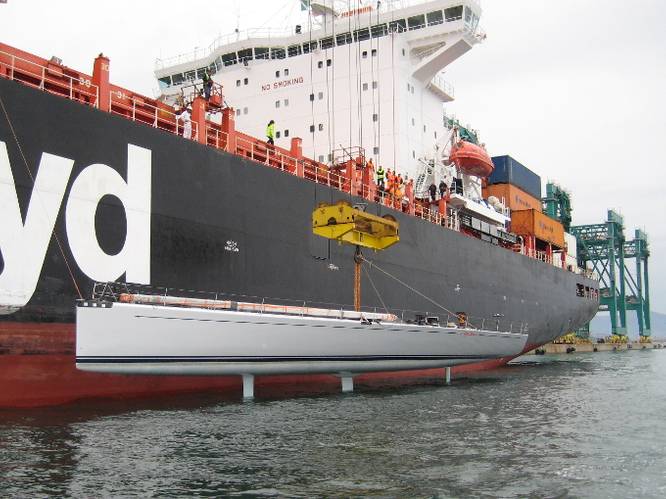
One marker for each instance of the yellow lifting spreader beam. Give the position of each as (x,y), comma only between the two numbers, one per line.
(346,224)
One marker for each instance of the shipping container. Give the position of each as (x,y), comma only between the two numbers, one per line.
(514,197)
(535,223)
(509,171)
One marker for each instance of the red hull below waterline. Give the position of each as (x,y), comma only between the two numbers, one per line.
(37,368)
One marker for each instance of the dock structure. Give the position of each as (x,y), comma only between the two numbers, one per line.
(604,249)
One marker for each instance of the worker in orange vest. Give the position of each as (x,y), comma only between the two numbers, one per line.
(390,182)
(399,191)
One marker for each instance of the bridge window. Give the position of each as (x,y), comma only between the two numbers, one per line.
(245,55)
(468,15)
(229,59)
(378,30)
(397,26)
(277,53)
(453,13)
(435,17)
(177,79)
(309,47)
(261,53)
(166,80)
(294,50)
(326,43)
(416,22)
(343,38)
(361,34)
(191,75)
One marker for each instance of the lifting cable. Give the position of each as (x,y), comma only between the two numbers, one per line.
(330,100)
(349,70)
(32,179)
(372,283)
(371,264)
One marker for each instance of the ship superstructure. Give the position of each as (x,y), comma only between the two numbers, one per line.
(369,77)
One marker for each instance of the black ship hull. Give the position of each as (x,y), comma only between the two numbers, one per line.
(195,218)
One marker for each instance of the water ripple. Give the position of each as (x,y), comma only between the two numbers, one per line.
(574,426)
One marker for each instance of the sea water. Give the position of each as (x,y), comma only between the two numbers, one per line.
(581,425)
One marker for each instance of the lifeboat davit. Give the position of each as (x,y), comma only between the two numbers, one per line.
(471,159)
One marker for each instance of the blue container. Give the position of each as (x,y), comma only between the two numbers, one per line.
(509,171)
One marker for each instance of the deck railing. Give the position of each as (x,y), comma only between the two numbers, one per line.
(52,78)
(112,291)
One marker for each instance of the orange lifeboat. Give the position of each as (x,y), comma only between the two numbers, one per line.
(471,159)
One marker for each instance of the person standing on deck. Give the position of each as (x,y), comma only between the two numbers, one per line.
(433,192)
(270,132)
(207,84)
(381,174)
(443,189)
(187,124)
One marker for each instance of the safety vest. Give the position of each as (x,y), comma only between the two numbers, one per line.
(380,173)
(270,130)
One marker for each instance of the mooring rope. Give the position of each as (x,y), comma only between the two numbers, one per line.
(27,167)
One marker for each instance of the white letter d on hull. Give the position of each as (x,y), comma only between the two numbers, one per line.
(88,189)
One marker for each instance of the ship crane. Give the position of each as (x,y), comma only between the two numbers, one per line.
(351,225)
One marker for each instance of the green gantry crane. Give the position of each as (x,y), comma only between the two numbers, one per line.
(639,300)
(557,205)
(604,249)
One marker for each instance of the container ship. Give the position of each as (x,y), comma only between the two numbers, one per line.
(183,194)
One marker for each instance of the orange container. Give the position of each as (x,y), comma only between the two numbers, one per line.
(535,223)
(514,197)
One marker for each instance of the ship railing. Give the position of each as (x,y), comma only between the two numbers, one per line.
(138,109)
(112,291)
(222,41)
(52,78)
(276,157)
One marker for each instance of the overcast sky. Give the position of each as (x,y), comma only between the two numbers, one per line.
(573,89)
